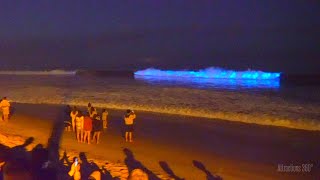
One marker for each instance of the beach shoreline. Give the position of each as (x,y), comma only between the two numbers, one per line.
(231,150)
(243,116)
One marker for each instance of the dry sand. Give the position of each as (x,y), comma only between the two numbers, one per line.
(183,147)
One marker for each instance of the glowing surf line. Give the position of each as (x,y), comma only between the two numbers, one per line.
(212,73)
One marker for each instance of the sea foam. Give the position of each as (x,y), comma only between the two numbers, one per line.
(240,106)
(49,72)
(211,72)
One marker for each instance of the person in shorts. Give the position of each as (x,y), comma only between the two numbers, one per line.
(87,128)
(104,118)
(5,107)
(79,126)
(73,115)
(129,121)
(97,128)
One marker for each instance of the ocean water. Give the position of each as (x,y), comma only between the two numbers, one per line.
(264,102)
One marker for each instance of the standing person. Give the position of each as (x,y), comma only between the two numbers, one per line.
(129,119)
(93,112)
(5,107)
(87,128)
(97,128)
(67,111)
(1,114)
(79,126)
(67,121)
(104,117)
(73,116)
(89,108)
(67,125)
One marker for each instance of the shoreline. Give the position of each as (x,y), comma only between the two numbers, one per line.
(232,150)
(255,119)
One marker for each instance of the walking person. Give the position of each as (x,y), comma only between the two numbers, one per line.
(97,129)
(73,116)
(5,107)
(104,117)
(87,128)
(129,120)
(79,127)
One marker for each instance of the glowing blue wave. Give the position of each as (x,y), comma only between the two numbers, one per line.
(207,83)
(212,78)
(214,73)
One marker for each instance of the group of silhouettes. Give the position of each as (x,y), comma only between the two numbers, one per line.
(91,123)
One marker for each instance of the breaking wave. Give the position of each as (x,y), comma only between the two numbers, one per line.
(211,72)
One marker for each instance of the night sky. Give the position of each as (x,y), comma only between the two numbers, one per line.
(270,35)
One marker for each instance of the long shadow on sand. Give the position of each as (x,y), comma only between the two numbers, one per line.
(168,170)
(45,163)
(87,168)
(200,166)
(42,163)
(16,160)
(22,164)
(132,164)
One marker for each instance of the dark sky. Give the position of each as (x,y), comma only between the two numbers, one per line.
(271,35)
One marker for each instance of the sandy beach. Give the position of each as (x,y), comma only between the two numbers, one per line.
(184,147)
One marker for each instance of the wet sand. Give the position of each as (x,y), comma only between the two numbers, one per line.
(189,147)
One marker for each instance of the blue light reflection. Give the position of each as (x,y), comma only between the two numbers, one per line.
(212,77)
(217,73)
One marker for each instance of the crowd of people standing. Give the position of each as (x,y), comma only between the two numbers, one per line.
(85,124)
(92,123)
(88,126)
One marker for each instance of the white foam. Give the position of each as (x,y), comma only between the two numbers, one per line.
(234,106)
(49,72)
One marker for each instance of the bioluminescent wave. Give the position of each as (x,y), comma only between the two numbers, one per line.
(215,78)
(214,73)
(206,83)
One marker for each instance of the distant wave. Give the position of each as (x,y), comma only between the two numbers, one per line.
(51,72)
(211,72)
(106,73)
